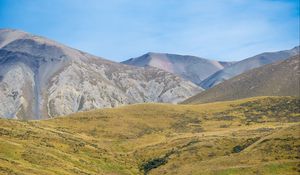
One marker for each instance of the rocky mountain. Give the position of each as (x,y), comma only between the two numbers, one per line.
(247,64)
(40,78)
(278,79)
(192,68)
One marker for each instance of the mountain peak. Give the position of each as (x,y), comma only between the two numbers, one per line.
(296,50)
(9,35)
(41,78)
(189,67)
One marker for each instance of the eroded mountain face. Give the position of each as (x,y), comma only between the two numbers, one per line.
(40,78)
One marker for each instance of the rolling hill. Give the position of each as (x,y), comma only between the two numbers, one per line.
(40,78)
(214,138)
(247,64)
(194,69)
(278,79)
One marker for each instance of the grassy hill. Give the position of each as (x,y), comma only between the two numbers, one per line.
(250,136)
(277,79)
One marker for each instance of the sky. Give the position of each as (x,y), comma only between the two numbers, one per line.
(224,30)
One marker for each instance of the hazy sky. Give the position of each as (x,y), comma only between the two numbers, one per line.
(121,29)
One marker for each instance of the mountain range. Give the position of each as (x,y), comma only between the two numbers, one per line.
(192,68)
(278,79)
(40,78)
(43,79)
(207,73)
(247,64)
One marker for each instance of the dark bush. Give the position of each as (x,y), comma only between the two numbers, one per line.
(237,149)
(244,145)
(154,163)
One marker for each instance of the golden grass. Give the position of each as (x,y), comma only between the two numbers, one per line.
(250,136)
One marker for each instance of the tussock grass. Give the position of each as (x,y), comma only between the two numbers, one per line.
(250,136)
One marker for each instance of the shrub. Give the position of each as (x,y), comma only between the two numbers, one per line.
(154,163)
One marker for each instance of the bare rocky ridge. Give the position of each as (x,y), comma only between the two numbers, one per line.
(40,78)
(192,68)
(278,79)
(247,64)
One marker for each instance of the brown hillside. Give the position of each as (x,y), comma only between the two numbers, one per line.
(249,136)
(278,79)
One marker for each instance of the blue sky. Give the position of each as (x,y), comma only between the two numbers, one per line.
(122,29)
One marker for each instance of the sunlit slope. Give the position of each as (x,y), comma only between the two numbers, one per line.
(256,135)
(277,79)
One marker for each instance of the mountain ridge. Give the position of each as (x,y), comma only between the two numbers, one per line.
(277,79)
(247,64)
(188,67)
(54,79)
